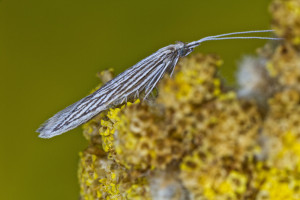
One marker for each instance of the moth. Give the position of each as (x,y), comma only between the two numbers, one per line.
(141,77)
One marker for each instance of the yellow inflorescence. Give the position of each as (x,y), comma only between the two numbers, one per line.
(102,178)
(109,126)
(198,140)
(286,20)
(285,66)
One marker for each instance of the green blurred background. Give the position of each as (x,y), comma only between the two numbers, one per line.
(50,52)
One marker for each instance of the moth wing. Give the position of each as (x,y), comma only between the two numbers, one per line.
(144,74)
(63,121)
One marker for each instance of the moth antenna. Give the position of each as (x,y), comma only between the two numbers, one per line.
(221,37)
(242,32)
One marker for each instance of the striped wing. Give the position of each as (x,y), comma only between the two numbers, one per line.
(142,76)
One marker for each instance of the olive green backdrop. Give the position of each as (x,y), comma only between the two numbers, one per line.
(50,52)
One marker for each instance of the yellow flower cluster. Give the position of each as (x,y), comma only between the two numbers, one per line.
(198,140)
(285,66)
(286,20)
(143,139)
(102,178)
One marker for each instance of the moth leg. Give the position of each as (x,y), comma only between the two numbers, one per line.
(137,94)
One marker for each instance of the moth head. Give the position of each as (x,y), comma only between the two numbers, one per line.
(183,49)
